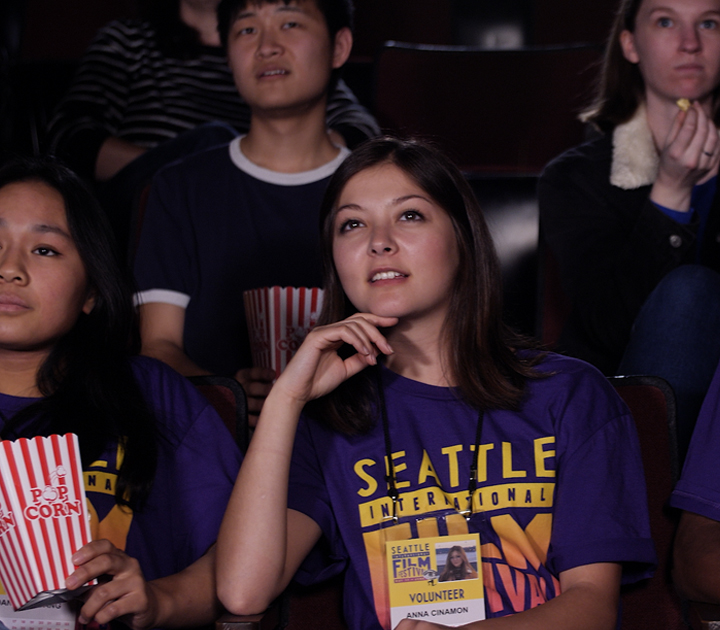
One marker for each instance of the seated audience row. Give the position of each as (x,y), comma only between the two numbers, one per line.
(535,463)
(407,250)
(150,91)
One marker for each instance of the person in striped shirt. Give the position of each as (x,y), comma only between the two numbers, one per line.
(144,82)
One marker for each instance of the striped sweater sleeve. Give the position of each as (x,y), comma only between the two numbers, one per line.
(94,106)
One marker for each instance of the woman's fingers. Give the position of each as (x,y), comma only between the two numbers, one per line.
(92,561)
(317,369)
(681,132)
(711,144)
(695,148)
(689,153)
(360,331)
(126,593)
(675,127)
(369,325)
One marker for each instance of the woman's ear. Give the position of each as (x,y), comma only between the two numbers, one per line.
(627,43)
(342,47)
(89,303)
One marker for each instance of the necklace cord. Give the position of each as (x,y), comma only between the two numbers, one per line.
(391,478)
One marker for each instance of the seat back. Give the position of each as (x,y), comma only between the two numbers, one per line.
(227,396)
(317,606)
(510,207)
(553,307)
(653,603)
(493,110)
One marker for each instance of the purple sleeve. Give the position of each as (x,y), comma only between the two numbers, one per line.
(698,490)
(206,464)
(307,493)
(601,511)
(198,462)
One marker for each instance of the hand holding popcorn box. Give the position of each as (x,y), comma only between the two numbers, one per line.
(43,518)
(279,318)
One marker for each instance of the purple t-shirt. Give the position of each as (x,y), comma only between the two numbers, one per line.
(698,490)
(196,469)
(560,484)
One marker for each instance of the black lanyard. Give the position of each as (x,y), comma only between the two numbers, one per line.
(391,479)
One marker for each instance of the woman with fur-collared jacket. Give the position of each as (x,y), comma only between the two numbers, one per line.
(632,217)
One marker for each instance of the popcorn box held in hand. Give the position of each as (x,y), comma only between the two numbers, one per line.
(53,617)
(279,318)
(43,518)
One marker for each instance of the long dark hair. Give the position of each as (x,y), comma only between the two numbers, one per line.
(482,359)
(620,87)
(87,383)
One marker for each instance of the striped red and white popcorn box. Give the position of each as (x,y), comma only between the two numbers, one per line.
(279,319)
(43,518)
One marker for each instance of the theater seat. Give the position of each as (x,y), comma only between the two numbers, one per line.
(653,603)
(500,111)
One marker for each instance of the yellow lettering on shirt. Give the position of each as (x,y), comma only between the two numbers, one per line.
(482,461)
(98,481)
(541,455)
(452,455)
(432,499)
(427,470)
(359,469)
(508,472)
(399,467)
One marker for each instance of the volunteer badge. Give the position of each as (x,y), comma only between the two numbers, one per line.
(437,579)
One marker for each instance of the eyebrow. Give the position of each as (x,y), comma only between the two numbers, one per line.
(289,8)
(669,8)
(395,202)
(44,228)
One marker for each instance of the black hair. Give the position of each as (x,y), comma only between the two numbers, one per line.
(86,381)
(482,360)
(338,14)
(175,39)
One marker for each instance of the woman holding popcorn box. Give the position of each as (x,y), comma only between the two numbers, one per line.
(158,462)
(426,423)
(632,217)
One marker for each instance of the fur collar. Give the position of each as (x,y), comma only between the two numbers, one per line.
(635,160)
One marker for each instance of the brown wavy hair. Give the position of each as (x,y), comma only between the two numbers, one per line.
(466,571)
(483,358)
(620,87)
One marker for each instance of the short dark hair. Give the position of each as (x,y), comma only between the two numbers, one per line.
(338,14)
(87,383)
(174,38)
(620,86)
(482,359)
